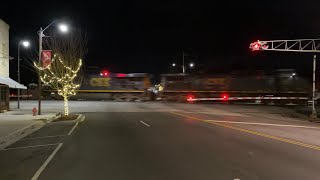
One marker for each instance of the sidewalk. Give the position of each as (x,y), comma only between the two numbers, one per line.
(16,124)
(306,111)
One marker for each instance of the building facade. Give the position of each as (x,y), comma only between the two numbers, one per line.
(5,81)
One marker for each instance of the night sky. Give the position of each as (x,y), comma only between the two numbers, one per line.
(147,36)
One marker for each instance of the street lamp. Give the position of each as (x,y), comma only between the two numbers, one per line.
(191,65)
(25,44)
(63,28)
(173,64)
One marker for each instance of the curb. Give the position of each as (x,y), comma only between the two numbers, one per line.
(80,118)
(21,133)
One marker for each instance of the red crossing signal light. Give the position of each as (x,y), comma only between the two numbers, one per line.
(256,46)
(190,98)
(104,73)
(225,97)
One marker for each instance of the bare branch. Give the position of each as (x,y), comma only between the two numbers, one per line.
(64,72)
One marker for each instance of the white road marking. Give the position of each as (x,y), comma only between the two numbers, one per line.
(83,118)
(73,128)
(44,165)
(215,113)
(24,147)
(264,124)
(145,123)
(43,137)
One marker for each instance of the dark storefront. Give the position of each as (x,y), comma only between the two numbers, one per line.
(4,97)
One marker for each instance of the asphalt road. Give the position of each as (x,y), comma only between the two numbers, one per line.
(169,141)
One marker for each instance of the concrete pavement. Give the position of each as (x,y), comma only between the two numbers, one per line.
(119,146)
(18,123)
(168,141)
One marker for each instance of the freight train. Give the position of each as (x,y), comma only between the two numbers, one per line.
(283,86)
(115,86)
(280,87)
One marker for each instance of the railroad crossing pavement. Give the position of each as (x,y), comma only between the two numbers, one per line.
(168,141)
(53,106)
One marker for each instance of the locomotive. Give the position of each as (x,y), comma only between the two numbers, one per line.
(114,86)
(281,87)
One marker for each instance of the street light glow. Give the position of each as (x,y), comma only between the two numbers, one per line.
(63,28)
(25,43)
(191,65)
(173,64)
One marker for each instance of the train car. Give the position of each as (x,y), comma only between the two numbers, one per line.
(104,85)
(114,86)
(282,87)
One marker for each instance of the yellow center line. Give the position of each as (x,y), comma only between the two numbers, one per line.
(253,132)
(264,124)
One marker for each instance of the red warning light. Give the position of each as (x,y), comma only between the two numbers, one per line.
(190,98)
(104,73)
(256,46)
(225,97)
(121,75)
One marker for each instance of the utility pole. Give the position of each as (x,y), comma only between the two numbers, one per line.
(39,80)
(25,44)
(18,75)
(314,112)
(183,67)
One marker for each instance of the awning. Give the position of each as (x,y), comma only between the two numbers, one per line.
(11,83)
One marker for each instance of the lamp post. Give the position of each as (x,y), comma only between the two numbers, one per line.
(24,44)
(183,67)
(191,64)
(63,28)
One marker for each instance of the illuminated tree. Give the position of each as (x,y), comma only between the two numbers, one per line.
(64,72)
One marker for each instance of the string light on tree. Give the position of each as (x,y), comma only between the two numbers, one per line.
(61,76)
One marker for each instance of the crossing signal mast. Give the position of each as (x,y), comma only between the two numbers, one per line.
(298,45)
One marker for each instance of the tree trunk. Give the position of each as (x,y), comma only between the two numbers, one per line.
(66,106)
